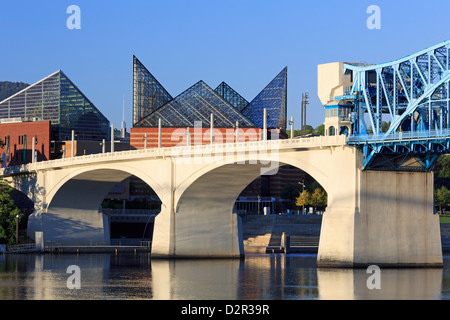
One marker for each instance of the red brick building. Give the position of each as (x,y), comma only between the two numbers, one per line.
(171,137)
(18,139)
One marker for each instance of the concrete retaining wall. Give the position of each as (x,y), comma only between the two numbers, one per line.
(261,232)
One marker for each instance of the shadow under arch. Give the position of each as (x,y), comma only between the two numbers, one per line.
(218,188)
(242,174)
(107,172)
(73,213)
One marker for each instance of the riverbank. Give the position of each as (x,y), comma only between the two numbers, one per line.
(261,234)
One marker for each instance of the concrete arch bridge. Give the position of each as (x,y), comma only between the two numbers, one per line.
(373,217)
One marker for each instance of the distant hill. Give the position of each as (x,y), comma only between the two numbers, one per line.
(8,88)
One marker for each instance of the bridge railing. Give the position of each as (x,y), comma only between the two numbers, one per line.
(400,136)
(224,148)
(28,247)
(142,212)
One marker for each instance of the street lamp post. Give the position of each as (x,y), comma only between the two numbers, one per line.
(259,200)
(303,191)
(265,124)
(112,138)
(17,229)
(73,144)
(145,138)
(159,132)
(291,123)
(188,137)
(103,145)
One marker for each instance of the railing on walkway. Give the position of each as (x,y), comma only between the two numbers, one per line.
(131,242)
(179,151)
(49,245)
(401,136)
(20,248)
(142,212)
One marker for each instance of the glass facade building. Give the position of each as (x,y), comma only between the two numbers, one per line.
(152,102)
(229,94)
(57,99)
(148,93)
(196,104)
(273,98)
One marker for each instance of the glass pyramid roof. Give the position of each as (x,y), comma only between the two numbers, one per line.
(229,94)
(148,93)
(273,98)
(79,114)
(196,104)
(152,102)
(57,99)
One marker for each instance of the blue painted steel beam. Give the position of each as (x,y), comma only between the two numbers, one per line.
(412,95)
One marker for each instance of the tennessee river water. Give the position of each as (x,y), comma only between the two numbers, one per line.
(257,277)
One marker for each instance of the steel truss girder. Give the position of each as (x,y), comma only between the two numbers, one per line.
(401,85)
(401,160)
(413,94)
(405,156)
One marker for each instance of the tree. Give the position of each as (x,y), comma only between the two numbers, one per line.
(320,130)
(8,213)
(442,168)
(442,197)
(304,199)
(289,193)
(319,198)
(8,88)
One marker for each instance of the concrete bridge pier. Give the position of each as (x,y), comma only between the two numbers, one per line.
(197,236)
(392,223)
(199,222)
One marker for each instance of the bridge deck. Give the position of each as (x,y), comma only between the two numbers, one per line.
(216,150)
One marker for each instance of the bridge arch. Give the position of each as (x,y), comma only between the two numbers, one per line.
(73,213)
(216,189)
(106,171)
(256,165)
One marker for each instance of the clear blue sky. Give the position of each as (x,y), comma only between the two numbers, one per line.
(245,43)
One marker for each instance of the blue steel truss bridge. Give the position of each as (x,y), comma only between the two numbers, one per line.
(399,111)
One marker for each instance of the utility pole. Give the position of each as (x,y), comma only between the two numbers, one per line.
(305,102)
